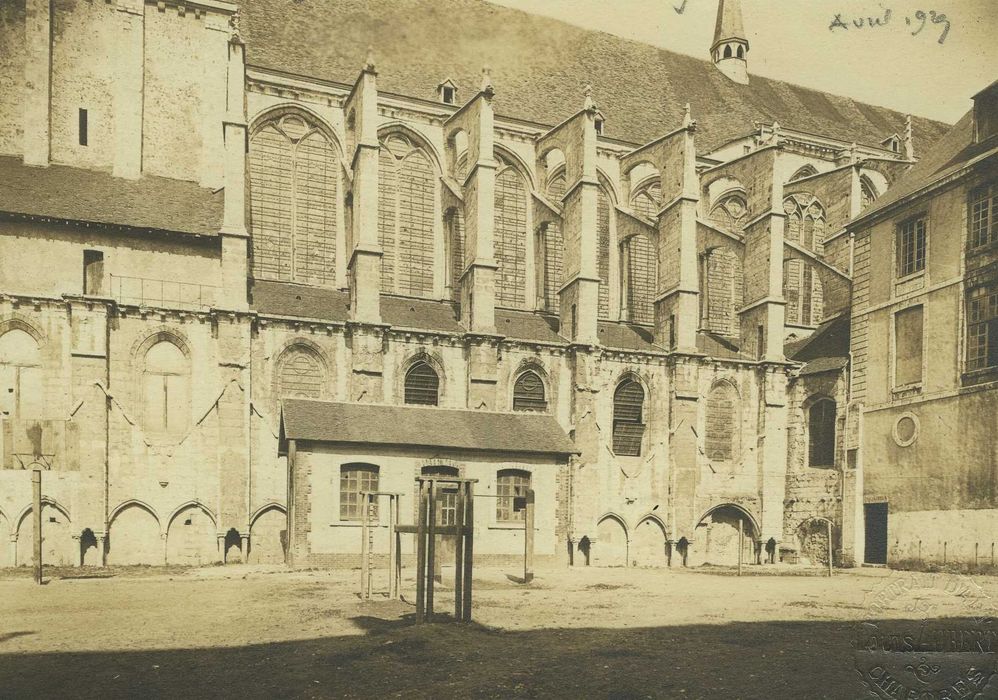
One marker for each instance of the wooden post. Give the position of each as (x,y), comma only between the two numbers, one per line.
(365,572)
(829,525)
(397,562)
(469,547)
(431,547)
(528,538)
(421,555)
(741,543)
(459,555)
(36,515)
(392,522)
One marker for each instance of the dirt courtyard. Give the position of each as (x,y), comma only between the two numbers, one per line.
(583,633)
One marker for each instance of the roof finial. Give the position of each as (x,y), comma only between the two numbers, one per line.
(909,141)
(369,61)
(687,118)
(588,104)
(487,79)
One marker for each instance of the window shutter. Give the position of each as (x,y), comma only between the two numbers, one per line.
(628,427)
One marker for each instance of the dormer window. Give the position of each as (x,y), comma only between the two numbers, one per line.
(447,91)
(986,113)
(599,127)
(892,143)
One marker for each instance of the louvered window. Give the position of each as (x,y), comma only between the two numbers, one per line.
(528,393)
(821,433)
(628,420)
(511,483)
(422,385)
(355,478)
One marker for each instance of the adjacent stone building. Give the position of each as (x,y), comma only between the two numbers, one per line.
(209,210)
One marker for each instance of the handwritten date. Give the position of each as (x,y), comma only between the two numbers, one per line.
(921,19)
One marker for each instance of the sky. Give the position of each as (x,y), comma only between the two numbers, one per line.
(889,65)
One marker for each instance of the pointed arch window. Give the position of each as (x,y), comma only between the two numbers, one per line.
(166,387)
(640,258)
(454,224)
(528,393)
(407,195)
(805,225)
(301,374)
(422,385)
(604,225)
(802,172)
(721,428)
(821,433)
(510,236)
(294,190)
(21,389)
(721,284)
(730,213)
(554,248)
(628,418)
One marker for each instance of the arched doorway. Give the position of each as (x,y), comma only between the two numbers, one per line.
(716,540)
(134,537)
(648,544)
(267,536)
(89,554)
(233,547)
(58,548)
(192,538)
(611,542)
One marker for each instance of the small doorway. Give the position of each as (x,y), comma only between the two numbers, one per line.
(875,516)
(446,514)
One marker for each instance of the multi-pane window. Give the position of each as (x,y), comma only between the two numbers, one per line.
(911,247)
(294,190)
(603,224)
(982,327)
(166,387)
(301,374)
(446,499)
(21,394)
(510,484)
(908,346)
(721,428)
(510,237)
(422,386)
(721,284)
(821,433)
(355,478)
(454,221)
(628,420)
(641,258)
(805,226)
(406,211)
(528,393)
(554,245)
(983,216)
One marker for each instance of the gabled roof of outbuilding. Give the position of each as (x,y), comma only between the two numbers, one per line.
(423,426)
(539,67)
(63,193)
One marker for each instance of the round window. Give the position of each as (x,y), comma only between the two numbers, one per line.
(906,429)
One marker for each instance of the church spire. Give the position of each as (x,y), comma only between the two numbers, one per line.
(729,50)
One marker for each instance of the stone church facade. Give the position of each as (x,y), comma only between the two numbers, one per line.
(201,219)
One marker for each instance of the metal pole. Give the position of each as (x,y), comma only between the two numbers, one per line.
(36,501)
(741,543)
(829,526)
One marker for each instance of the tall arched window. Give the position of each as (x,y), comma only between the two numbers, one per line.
(821,433)
(510,484)
(528,393)
(730,213)
(407,194)
(722,290)
(802,172)
(628,418)
(422,386)
(510,236)
(166,388)
(294,190)
(21,391)
(805,225)
(301,374)
(554,248)
(868,192)
(604,224)
(454,225)
(647,200)
(640,259)
(721,431)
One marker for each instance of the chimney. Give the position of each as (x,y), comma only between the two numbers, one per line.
(730,48)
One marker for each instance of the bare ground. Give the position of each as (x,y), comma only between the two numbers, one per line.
(600,633)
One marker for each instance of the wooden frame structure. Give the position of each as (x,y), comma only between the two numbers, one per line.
(369,500)
(426,531)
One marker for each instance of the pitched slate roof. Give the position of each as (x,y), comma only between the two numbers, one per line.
(63,193)
(540,66)
(729,21)
(423,426)
(954,151)
(824,350)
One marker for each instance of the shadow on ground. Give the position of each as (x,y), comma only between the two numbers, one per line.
(392,657)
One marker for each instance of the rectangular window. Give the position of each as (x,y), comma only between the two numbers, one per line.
(908,346)
(93,272)
(509,485)
(83,127)
(355,478)
(982,327)
(983,216)
(911,247)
